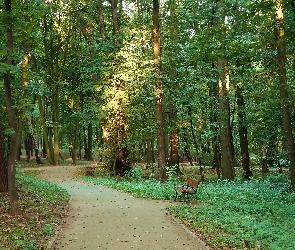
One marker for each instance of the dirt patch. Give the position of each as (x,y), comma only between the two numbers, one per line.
(103,218)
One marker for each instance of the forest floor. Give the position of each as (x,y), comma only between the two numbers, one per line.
(103,218)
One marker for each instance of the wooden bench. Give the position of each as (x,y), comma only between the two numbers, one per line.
(191,187)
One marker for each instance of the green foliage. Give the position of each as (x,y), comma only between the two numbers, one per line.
(135,174)
(172,174)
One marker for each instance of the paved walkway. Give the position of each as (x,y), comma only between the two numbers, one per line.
(103,218)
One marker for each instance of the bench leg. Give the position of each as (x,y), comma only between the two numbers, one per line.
(176,193)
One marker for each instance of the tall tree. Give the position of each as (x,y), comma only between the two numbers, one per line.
(174,137)
(14,124)
(281,57)
(227,157)
(121,162)
(159,90)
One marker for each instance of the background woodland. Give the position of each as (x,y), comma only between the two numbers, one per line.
(163,82)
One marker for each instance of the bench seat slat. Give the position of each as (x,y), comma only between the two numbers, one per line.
(190,187)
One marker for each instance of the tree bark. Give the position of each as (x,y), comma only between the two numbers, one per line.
(150,151)
(115,20)
(45,131)
(174,155)
(13,123)
(121,163)
(3,164)
(243,133)
(281,55)
(227,157)
(174,140)
(101,19)
(55,121)
(227,160)
(159,92)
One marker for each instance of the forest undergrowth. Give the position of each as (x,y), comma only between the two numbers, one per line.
(43,206)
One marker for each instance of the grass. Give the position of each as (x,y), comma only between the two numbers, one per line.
(43,206)
(255,214)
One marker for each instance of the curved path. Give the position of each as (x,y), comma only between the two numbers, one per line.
(103,218)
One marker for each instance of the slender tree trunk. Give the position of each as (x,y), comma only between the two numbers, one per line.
(47,150)
(75,142)
(186,147)
(45,131)
(243,133)
(55,120)
(101,19)
(89,143)
(174,155)
(190,115)
(3,164)
(159,91)
(52,50)
(173,28)
(14,124)
(76,130)
(149,151)
(115,20)
(24,83)
(281,54)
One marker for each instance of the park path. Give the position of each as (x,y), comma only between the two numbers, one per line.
(103,218)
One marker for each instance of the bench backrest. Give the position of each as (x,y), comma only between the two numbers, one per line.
(192,182)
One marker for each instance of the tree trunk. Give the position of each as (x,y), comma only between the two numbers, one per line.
(28,147)
(281,53)
(48,149)
(159,92)
(115,20)
(193,134)
(243,133)
(89,143)
(213,92)
(227,160)
(227,157)
(174,156)
(13,123)
(173,29)
(101,19)
(55,120)
(150,151)
(3,164)
(121,163)
(75,142)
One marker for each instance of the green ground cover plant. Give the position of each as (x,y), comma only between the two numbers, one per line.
(255,214)
(150,189)
(43,205)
